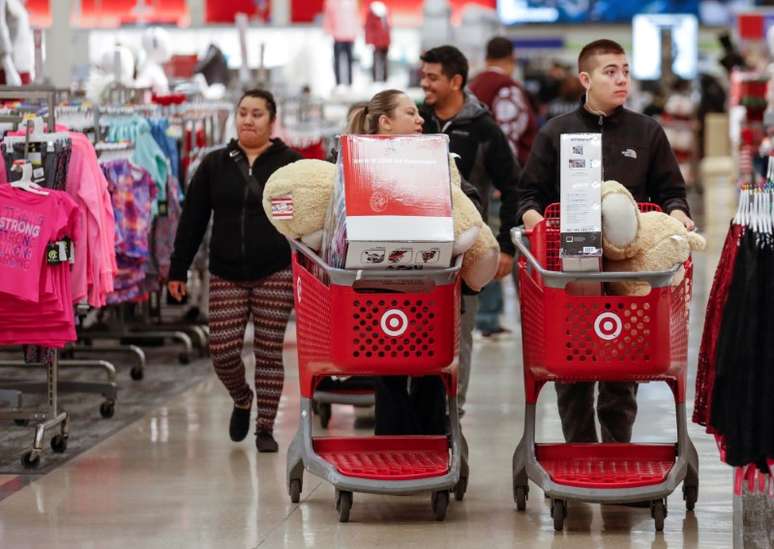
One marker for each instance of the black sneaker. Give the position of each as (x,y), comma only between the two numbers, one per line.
(265,442)
(240,423)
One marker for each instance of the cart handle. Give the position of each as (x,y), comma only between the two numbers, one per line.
(352,277)
(558,279)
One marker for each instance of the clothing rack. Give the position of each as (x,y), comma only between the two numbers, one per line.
(122,328)
(52,416)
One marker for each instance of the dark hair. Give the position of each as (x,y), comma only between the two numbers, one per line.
(271,104)
(452,61)
(499,47)
(364,119)
(597,47)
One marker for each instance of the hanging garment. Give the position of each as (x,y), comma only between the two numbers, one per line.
(745,356)
(35,296)
(705,376)
(132,192)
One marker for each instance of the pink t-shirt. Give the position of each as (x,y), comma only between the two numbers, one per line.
(48,321)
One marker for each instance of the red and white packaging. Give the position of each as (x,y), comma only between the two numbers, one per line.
(398,201)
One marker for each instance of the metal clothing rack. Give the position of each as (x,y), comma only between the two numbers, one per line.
(44,420)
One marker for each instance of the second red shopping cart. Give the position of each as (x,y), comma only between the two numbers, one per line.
(571,338)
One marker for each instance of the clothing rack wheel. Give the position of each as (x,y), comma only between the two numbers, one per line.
(30,459)
(178,336)
(138,370)
(107,409)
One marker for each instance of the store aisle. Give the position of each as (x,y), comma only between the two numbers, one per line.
(174,479)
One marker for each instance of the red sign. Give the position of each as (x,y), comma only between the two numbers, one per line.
(224,11)
(114,13)
(402,12)
(40,13)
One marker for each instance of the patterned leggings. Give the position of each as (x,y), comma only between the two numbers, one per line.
(269,300)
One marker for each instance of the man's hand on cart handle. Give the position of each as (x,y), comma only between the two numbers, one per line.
(177,289)
(683,218)
(504,266)
(531,218)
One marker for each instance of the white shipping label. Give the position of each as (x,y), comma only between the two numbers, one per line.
(581,182)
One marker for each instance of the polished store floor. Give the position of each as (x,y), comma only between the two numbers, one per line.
(174,479)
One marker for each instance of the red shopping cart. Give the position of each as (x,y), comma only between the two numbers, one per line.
(572,338)
(375,323)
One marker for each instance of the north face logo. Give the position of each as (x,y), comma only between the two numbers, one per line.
(629,153)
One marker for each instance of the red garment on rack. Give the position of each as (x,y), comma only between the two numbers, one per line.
(705,376)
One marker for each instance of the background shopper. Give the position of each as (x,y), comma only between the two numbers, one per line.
(249,262)
(484,159)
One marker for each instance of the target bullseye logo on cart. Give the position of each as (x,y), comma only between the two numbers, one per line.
(608,326)
(394,322)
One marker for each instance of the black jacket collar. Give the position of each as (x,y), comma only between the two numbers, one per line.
(277,145)
(598,119)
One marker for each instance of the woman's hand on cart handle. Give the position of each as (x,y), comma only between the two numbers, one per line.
(531,218)
(177,289)
(683,218)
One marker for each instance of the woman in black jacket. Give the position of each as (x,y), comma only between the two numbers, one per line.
(249,263)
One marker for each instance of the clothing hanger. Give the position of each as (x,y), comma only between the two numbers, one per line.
(35,134)
(26,183)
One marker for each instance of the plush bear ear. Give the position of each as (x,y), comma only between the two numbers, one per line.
(465,240)
(480,272)
(620,221)
(696,241)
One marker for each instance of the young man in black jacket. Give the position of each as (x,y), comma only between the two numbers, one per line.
(484,159)
(636,153)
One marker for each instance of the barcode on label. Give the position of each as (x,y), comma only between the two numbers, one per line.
(589,249)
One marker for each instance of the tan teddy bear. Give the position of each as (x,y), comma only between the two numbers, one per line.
(310,183)
(636,242)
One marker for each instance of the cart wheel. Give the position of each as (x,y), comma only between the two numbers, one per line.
(658,512)
(204,350)
(325,414)
(460,488)
(462,484)
(21,422)
(559,513)
(520,495)
(294,489)
(183,358)
(343,505)
(690,495)
(30,459)
(440,502)
(59,444)
(137,373)
(108,408)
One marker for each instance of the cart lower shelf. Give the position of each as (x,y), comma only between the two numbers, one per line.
(607,465)
(386,457)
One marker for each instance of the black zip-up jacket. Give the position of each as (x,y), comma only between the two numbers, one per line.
(244,244)
(485,159)
(635,152)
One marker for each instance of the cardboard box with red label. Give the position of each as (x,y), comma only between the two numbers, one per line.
(397,208)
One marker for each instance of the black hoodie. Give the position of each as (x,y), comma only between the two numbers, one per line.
(635,152)
(485,159)
(244,245)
